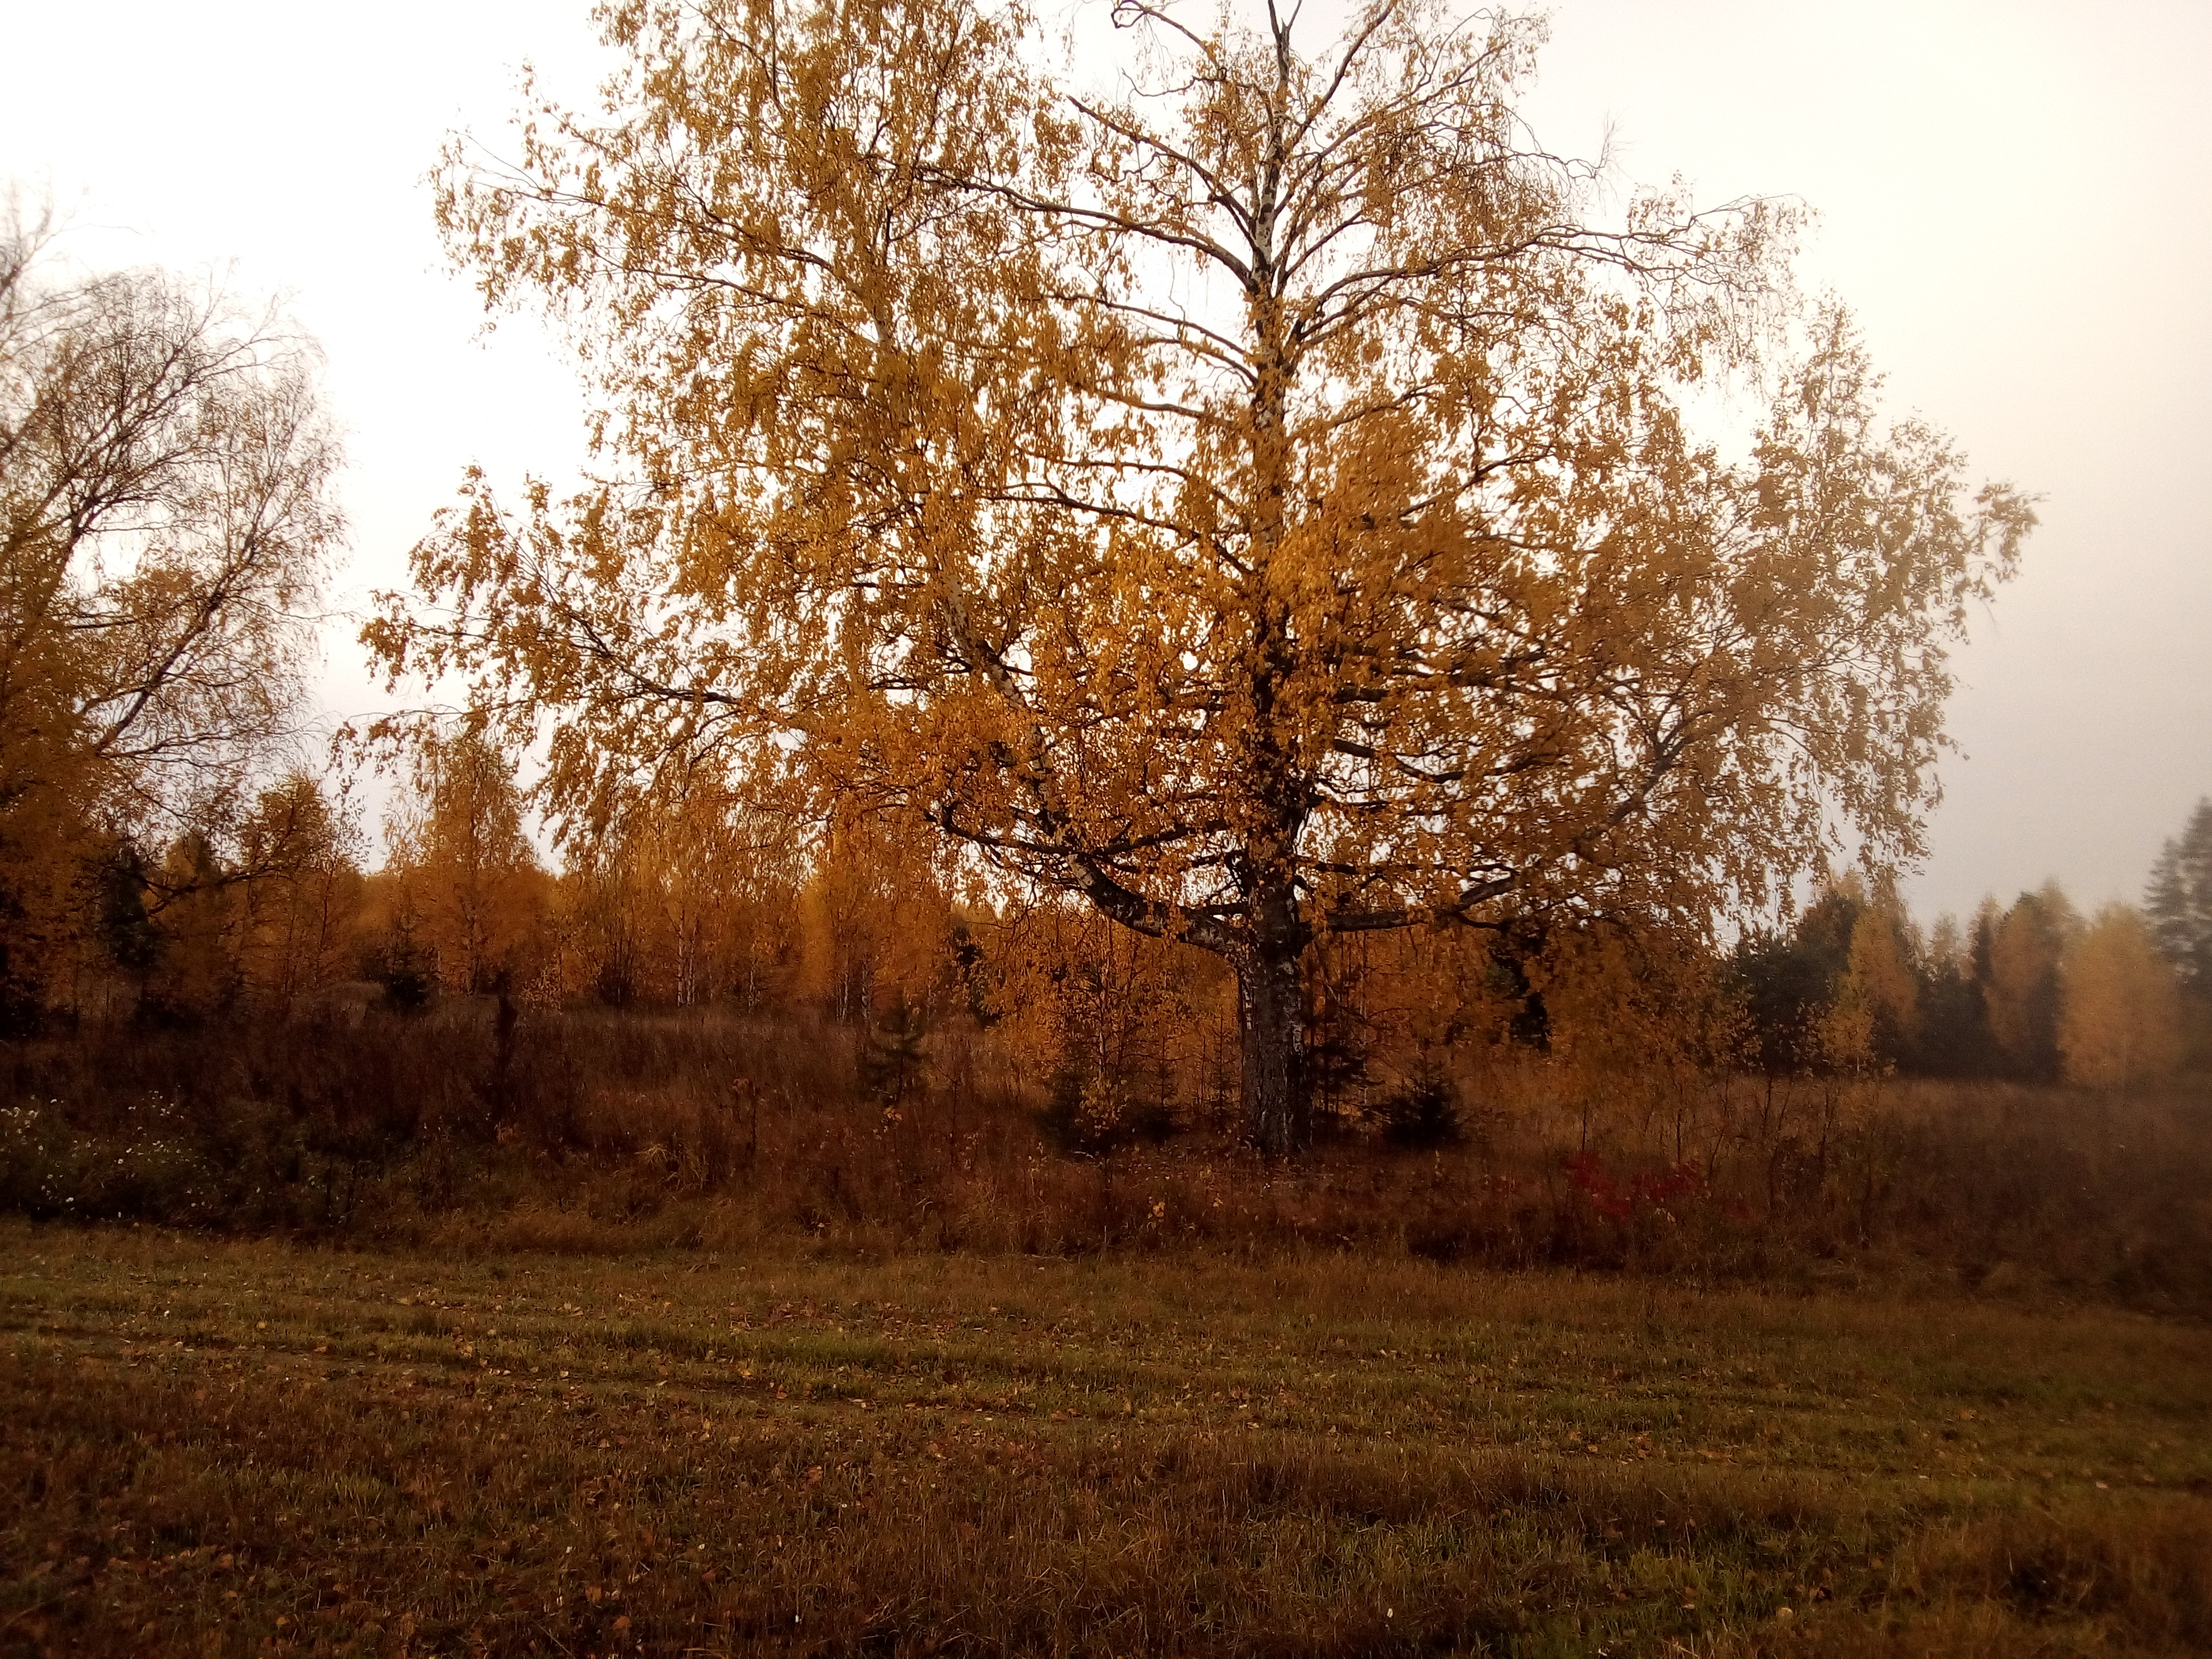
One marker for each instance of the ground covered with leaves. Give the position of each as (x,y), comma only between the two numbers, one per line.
(247,1447)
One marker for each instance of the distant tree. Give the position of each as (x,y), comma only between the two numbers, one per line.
(2019,955)
(166,519)
(1634,1015)
(1393,1014)
(2180,901)
(602,920)
(472,893)
(389,947)
(1954,1027)
(196,910)
(1787,979)
(298,858)
(2120,1022)
(1873,1016)
(875,924)
(685,895)
(1106,1020)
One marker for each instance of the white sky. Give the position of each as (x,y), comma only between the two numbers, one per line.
(2017,201)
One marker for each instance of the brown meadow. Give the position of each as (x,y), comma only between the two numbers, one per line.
(237,1447)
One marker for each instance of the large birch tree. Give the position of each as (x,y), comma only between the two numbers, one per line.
(1262,499)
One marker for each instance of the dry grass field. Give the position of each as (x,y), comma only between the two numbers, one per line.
(253,1446)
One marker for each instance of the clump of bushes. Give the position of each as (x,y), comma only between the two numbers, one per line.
(240,1165)
(1421,1113)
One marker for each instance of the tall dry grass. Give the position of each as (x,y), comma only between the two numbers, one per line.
(594,1129)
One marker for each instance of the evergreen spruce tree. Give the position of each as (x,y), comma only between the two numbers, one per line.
(2180,901)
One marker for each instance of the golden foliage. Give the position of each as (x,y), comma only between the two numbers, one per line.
(2119,1022)
(686,895)
(1123,1031)
(165,520)
(466,889)
(1618,1000)
(875,926)
(1875,1011)
(301,878)
(2027,945)
(1263,502)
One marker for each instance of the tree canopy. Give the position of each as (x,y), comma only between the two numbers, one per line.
(165,522)
(1263,499)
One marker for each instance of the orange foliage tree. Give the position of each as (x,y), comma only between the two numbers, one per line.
(165,520)
(299,862)
(2019,954)
(2119,1019)
(875,926)
(1259,501)
(466,888)
(1115,1024)
(685,896)
(1873,1019)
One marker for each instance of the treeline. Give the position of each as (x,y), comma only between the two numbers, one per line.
(705,900)
(718,1022)
(2031,991)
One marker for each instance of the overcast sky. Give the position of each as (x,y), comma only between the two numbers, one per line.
(2016,200)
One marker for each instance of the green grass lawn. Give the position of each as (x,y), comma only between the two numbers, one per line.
(246,1447)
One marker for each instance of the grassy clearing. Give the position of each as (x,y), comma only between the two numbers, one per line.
(227,1447)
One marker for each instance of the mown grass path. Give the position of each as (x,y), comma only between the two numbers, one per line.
(239,1447)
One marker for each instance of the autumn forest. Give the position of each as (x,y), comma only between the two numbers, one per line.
(1221,709)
